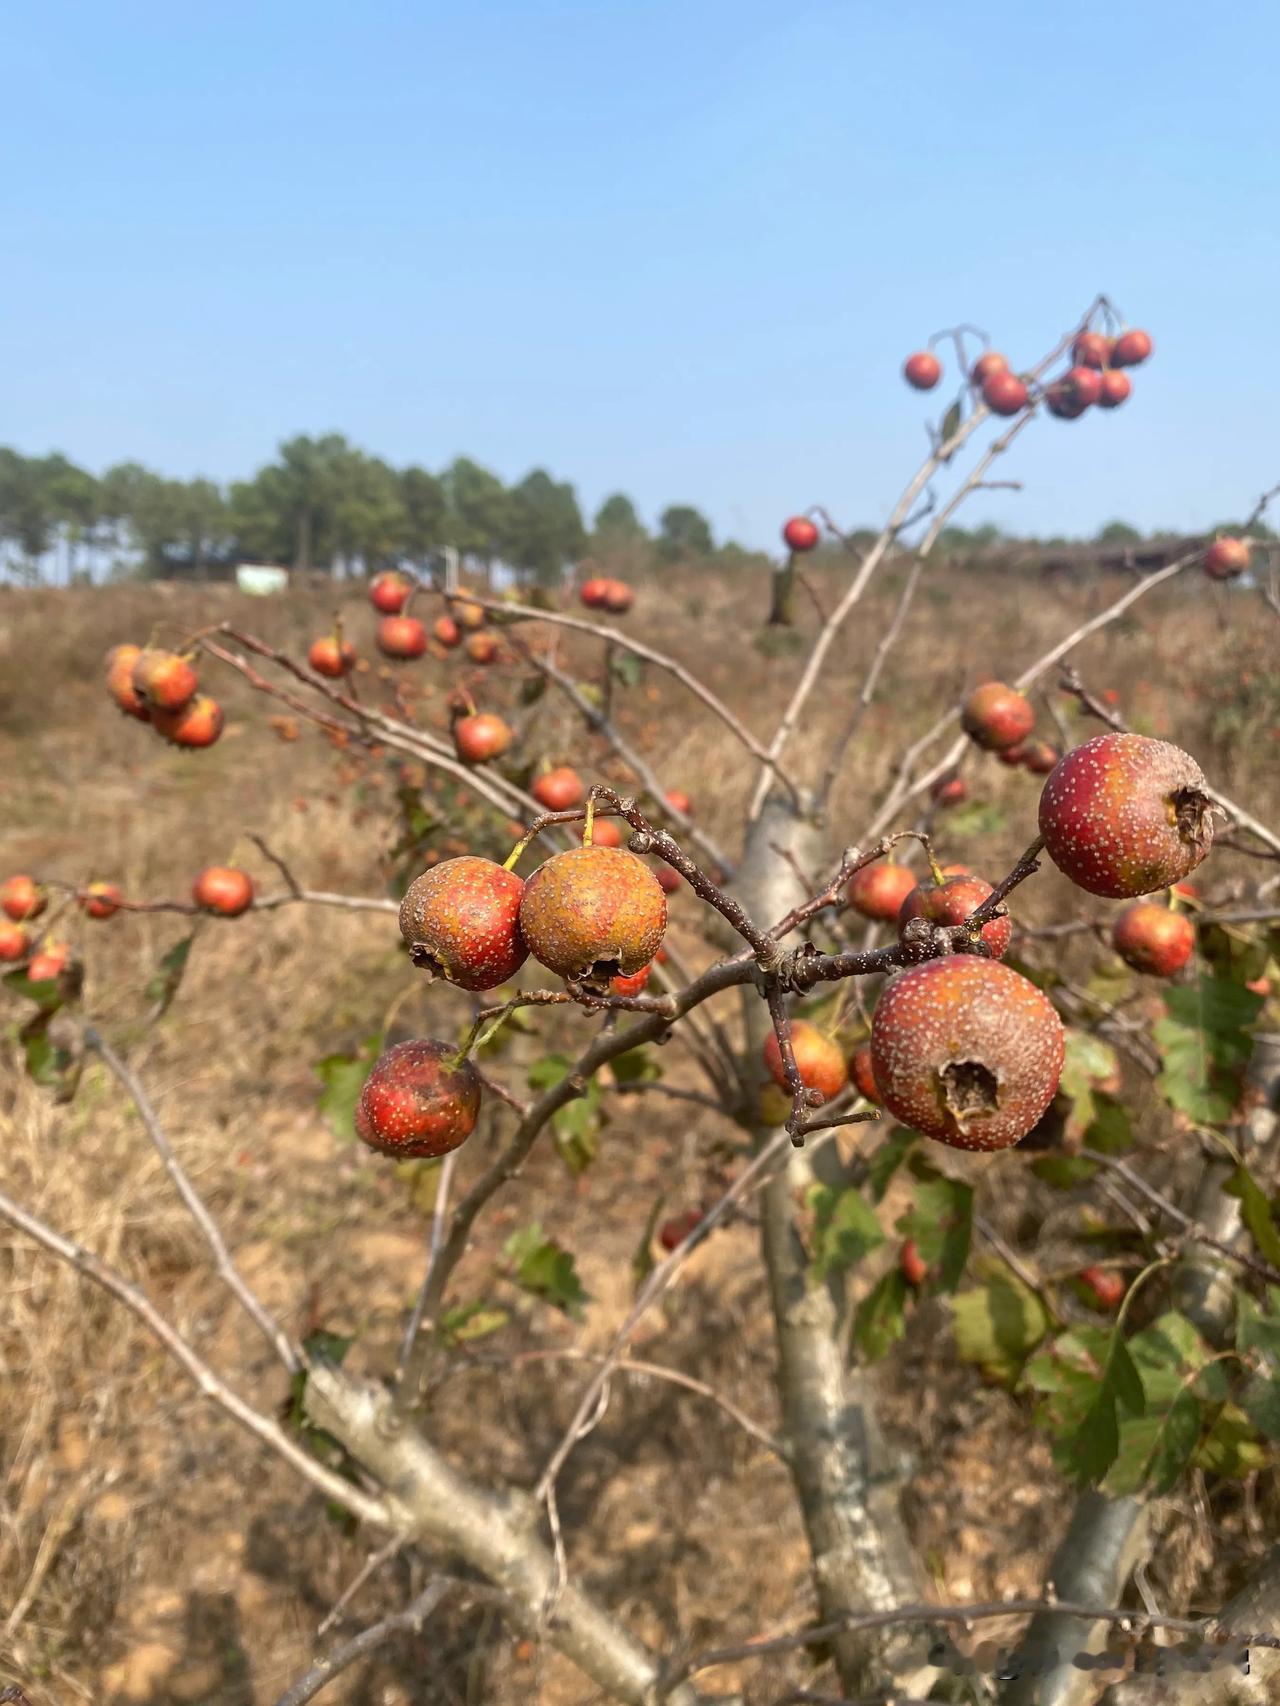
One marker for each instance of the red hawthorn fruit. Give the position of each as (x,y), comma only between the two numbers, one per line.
(223,889)
(952,902)
(1106,1284)
(1225,559)
(195,725)
(618,598)
(669,879)
(606,833)
(467,614)
(1004,393)
(679,801)
(560,790)
(1084,384)
(987,366)
(120,666)
(967,1051)
(13,941)
(482,647)
(420,1100)
(480,737)
(915,1270)
(1152,938)
(863,1074)
(446,631)
(878,891)
(461,921)
(996,716)
(594,592)
(800,534)
(49,962)
(100,900)
(163,680)
(950,791)
(330,657)
(20,898)
(1013,756)
(819,1060)
(633,985)
(401,637)
(1063,403)
(1091,349)
(1116,389)
(389,593)
(592,914)
(922,370)
(672,1233)
(1040,757)
(1124,815)
(1130,349)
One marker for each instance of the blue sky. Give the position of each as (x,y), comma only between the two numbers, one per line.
(679,249)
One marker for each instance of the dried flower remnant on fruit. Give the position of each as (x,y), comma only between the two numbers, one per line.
(593,914)
(1124,815)
(460,920)
(419,1101)
(967,1051)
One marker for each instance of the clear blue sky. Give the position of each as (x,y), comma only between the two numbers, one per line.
(678,248)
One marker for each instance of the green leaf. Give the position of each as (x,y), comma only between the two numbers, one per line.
(626,667)
(544,1269)
(47,994)
(1110,1131)
(1177,1381)
(342,1078)
(1261,1403)
(636,1066)
(880,1319)
(576,1126)
(323,1346)
(1205,1046)
(886,1160)
(1257,1332)
(1097,1441)
(846,1229)
(166,980)
(951,422)
(551,1070)
(1255,1211)
(532,688)
(975,819)
(1089,1062)
(941,1222)
(466,1322)
(642,1262)
(1231,1446)
(999,1324)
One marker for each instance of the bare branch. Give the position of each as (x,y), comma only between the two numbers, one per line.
(229,1274)
(406,1622)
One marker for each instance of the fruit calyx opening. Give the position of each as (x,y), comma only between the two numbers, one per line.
(1193,814)
(970,1091)
(425,960)
(595,980)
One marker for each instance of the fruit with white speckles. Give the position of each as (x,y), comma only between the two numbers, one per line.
(21,898)
(559,790)
(878,891)
(1225,559)
(967,1051)
(120,665)
(481,737)
(1153,938)
(996,716)
(819,1060)
(593,914)
(863,1074)
(1124,815)
(461,921)
(952,902)
(420,1100)
(223,889)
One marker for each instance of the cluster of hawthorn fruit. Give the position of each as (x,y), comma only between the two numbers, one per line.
(162,688)
(1096,376)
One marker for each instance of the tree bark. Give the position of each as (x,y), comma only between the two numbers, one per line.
(861,1554)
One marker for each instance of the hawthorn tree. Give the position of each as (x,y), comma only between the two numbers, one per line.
(975,1043)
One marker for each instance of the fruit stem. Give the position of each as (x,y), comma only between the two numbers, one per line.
(588,825)
(513,858)
(939,881)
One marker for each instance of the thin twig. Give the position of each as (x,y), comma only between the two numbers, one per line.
(406,1622)
(439,1216)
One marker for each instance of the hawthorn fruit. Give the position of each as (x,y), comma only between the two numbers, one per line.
(197,724)
(389,593)
(20,898)
(593,914)
(878,891)
(1004,393)
(996,716)
(100,900)
(952,902)
(1153,938)
(1131,349)
(120,666)
(1225,559)
(401,637)
(480,737)
(420,1100)
(223,889)
(863,1074)
(922,370)
(800,534)
(163,681)
(819,1060)
(461,921)
(330,657)
(559,790)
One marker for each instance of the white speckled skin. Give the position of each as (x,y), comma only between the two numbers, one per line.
(1109,815)
(465,914)
(965,1010)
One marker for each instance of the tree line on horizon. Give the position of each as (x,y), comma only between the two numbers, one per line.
(323,503)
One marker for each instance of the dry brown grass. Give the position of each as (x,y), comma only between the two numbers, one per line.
(148,1552)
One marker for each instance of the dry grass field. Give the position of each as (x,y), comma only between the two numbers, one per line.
(151,1553)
